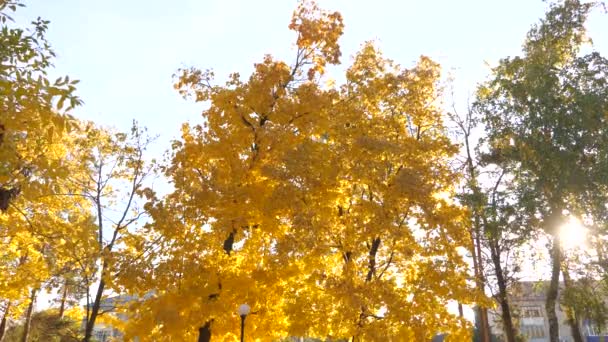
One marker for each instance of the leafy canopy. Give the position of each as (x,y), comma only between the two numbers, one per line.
(324,208)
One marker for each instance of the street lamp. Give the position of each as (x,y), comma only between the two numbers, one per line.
(244,310)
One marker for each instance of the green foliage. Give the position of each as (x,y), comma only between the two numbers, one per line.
(47,327)
(586,297)
(545,117)
(26,57)
(32,108)
(546,125)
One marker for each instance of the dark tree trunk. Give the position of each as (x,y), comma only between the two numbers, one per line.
(88,333)
(552,292)
(573,321)
(503,296)
(28,317)
(476,232)
(4,320)
(478,270)
(204,332)
(372,259)
(64,297)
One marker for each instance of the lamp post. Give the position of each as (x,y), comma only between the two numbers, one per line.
(244,310)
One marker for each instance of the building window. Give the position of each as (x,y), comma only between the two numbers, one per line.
(102,335)
(531,311)
(533,331)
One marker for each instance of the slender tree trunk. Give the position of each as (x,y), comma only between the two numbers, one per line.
(372,259)
(573,321)
(4,320)
(28,317)
(88,333)
(476,232)
(204,332)
(64,297)
(503,297)
(553,291)
(478,270)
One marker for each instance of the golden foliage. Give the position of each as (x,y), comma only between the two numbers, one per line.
(322,208)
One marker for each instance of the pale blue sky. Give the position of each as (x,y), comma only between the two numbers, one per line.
(125,51)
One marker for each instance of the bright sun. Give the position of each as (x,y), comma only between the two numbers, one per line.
(573,234)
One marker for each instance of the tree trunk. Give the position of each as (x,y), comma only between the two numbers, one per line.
(204,332)
(88,333)
(28,316)
(478,270)
(4,320)
(372,259)
(573,321)
(503,298)
(552,292)
(64,297)
(476,232)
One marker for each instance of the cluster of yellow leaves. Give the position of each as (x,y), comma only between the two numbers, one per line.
(47,229)
(47,232)
(323,209)
(318,34)
(52,233)
(43,229)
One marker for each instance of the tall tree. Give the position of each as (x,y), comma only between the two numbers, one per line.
(33,118)
(116,169)
(497,230)
(327,209)
(545,120)
(43,237)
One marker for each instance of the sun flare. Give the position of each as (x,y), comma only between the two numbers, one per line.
(573,234)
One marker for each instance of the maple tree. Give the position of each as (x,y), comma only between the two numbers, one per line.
(45,237)
(326,208)
(56,188)
(35,229)
(114,170)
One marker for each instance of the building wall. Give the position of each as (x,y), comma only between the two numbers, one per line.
(533,322)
